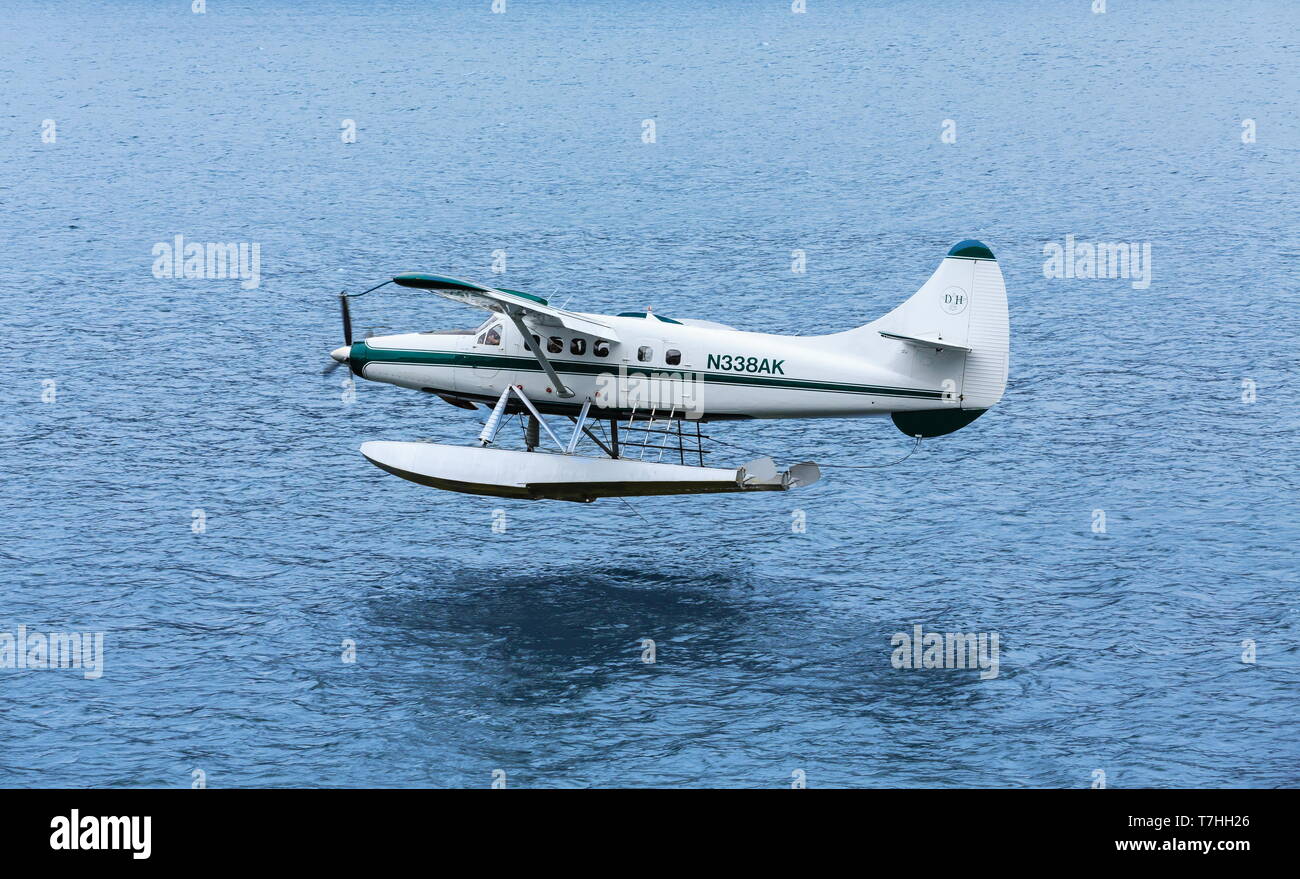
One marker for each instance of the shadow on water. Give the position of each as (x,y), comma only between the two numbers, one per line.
(534,634)
(555,633)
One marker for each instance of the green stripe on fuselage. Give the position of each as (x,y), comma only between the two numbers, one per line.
(362,355)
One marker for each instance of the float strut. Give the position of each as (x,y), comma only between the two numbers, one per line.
(580,426)
(489,431)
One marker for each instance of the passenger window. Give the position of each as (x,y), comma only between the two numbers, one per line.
(554,345)
(672,357)
(536,341)
(644,353)
(578,346)
(600,348)
(492,336)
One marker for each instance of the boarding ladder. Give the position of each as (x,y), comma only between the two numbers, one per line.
(655,432)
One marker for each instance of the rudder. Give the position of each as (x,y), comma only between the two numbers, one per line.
(963,304)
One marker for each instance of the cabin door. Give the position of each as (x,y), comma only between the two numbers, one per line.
(480,371)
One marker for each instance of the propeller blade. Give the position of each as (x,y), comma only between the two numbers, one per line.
(347,319)
(333,366)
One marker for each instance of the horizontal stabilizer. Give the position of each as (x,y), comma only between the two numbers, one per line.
(924,341)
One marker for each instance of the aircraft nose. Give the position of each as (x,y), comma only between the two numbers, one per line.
(341,354)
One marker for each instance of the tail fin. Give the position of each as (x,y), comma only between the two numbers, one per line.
(962,308)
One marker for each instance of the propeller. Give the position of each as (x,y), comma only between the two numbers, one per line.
(347,332)
(347,322)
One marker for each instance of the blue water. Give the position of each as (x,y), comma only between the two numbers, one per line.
(521,651)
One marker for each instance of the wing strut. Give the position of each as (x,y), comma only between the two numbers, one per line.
(516,317)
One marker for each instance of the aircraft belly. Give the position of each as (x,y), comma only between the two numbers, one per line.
(763,402)
(539,387)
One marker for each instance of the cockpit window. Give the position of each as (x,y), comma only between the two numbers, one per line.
(491,337)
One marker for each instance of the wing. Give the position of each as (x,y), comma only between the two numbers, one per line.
(512,303)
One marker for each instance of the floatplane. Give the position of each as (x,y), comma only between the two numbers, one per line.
(934,364)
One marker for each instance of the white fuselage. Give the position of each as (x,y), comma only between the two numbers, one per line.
(694,369)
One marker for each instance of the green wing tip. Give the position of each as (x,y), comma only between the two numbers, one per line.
(531,296)
(425,281)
